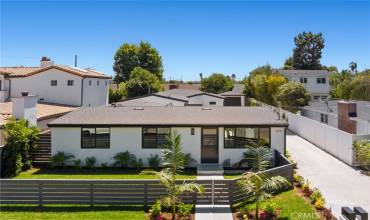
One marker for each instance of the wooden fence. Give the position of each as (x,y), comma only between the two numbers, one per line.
(123,192)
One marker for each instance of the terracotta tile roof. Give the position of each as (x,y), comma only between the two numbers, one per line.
(21,71)
(44,111)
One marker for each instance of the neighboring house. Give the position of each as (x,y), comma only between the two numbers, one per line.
(235,97)
(209,134)
(26,107)
(56,84)
(315,81)
(350,116)
(176,97)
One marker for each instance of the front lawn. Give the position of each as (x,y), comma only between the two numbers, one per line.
(293,206)
(50,173)
(72,212)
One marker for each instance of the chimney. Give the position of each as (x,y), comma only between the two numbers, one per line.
(45,62)
(347,110)
(24,106)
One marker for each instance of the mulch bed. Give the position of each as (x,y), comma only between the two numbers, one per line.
(168,216)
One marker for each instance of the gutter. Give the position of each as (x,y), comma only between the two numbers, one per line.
(82,90)
(10,87)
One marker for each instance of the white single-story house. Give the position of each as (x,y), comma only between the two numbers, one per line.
(209,134)
(55,84)
(176,97)
(316,82)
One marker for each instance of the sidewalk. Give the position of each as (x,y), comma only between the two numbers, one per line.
(215,212)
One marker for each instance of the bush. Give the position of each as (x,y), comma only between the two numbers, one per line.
(104,165)
(125,159)
(90,162)
(148,172)
(154,161)
(189,160)
(244,210)
(269,208)
(362,153)
(298,180)
(77,164)
(320,203)
(139,164)
(156,208)
(316,194)
(306,187)
(60,158)
(184,209)
(226,163)
(20,139)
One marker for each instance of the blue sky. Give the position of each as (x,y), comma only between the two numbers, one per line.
(192,37)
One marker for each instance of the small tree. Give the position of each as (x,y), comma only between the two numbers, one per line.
(362,153)
(142,82)
(125,159)
(174,162)
(217,83)
(60,158)
(292,95)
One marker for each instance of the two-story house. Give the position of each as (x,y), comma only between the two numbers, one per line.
(315,81)
(57,84)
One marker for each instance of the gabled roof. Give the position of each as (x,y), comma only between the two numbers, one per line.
(174,116)
(14,72)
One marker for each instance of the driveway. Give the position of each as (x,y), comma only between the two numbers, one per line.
(340,184)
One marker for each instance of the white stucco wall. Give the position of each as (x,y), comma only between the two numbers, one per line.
(316,115)
(129,138)
(152,101)
(39,84)
(312,86)
(205,100)
(94,93)
(4,88)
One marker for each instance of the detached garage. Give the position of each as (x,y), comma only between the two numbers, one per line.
(233,99)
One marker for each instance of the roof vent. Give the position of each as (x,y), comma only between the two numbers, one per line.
(206,108)
(138,108)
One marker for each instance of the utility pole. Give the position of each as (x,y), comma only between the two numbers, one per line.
(75,60)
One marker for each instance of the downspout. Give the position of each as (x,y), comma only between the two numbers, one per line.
(82,91)
(10,87)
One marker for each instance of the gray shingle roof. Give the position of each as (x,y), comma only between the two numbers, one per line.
(304,72)
(174,116)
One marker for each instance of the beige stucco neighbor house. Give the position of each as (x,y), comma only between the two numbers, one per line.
(210,134)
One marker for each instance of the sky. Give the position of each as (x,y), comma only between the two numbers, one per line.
(192,37)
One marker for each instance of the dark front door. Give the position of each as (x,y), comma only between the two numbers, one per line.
(209,145)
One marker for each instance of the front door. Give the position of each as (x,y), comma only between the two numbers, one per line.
(209,145)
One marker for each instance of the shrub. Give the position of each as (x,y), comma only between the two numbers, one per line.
(77,164)
(139,164)
(154,161)
(306,187)
(104,165)
(60,158)
(320,203)
(90,162)
(184,209)
(316,194)
(298,180)
(125,159)
(226,163)
(148,172)
(269,208)
(156,208)
(362,153)
(244,210)
(20,139)
(189,160)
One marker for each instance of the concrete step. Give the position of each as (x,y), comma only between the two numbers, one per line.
(210,169)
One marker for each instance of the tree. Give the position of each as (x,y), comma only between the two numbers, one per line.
(360,88)
(308,50)
(332,69)
(129,56)
(174,161)
(216,83)
(142,82)
(274,81)
(288,64)
(353,67)
(233,77)
(292,95)
(258,186)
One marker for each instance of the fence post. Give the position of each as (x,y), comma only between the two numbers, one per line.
(145,195)
(91,194)
(213,193)
(40,194)
(231,190)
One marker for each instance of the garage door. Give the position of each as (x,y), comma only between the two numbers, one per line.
(232,101)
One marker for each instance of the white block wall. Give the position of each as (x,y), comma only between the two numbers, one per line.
(205,100)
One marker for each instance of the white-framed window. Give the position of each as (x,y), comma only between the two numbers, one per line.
(70,82)
(303,80)
(324,97)
(321,80)
(316,97)
(53,82)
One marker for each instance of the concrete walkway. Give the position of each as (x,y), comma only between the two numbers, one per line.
(209,212)
(340,184)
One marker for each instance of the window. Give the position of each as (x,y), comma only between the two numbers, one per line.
(244,136)
(324,97)
(89,82)
(97,83)
(154,137)
(53,83)
(303,80)
(324,118)
(321,80)
(70,83)
(212,103)
(95,138)
(316,97)
(192,131)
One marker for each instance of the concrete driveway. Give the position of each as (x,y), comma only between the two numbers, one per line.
(340,184)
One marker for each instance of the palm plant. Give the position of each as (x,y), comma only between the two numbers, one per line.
(258,157)
(60,158)
(174,161)
(125,159)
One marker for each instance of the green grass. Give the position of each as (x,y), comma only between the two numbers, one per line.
(293,207)
(77,212)
(49,173)
(232,175)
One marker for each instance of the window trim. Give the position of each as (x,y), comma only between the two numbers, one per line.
(156,138)
(234,127)
(53,80)
(68,82)
(321,80)
(303,80)
(95,138)
(212,103)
